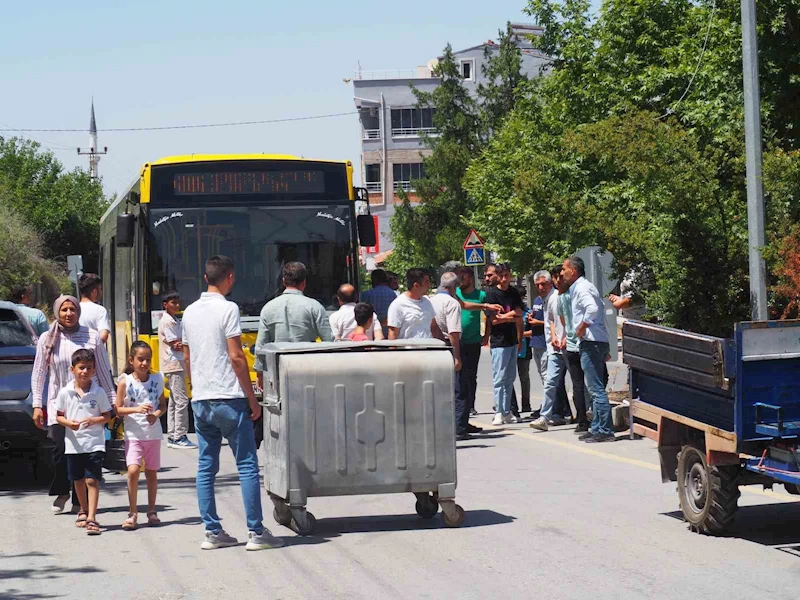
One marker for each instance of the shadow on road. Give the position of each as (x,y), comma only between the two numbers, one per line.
(33,573)
(767,524)
(336,526)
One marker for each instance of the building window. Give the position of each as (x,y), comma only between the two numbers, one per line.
(372,175)
(412,122)
(468,70)
(405,174)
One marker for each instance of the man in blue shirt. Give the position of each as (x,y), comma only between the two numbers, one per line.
(21,296)
(380,296)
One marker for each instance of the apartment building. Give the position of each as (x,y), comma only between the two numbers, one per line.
(392,127)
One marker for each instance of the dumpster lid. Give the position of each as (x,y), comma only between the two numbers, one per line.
(307,347)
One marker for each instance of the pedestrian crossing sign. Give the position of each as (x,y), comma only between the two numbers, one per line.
(474,257)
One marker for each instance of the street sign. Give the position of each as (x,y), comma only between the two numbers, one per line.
(377,247)
(474,257)
(473,240)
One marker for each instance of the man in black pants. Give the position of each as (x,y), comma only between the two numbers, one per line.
(570,342)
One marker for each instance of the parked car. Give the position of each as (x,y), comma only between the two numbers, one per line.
(17,353)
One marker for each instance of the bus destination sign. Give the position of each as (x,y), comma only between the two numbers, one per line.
(249,182)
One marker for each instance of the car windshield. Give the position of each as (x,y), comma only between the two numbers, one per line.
(13,331)
(260,240)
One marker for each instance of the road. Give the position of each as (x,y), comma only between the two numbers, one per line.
(547,517)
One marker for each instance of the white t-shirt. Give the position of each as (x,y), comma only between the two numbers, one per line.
(448,312)
(412,317)
(343,322)
(551,316)
(169,330)
(76,408)
(94,317)
(138,393)
(208,324)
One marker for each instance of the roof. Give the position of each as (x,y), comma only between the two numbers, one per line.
(190,158)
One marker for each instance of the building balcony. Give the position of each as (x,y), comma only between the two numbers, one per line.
(371,134)
(418,73)
(373,186)
(406,186)
(405,132)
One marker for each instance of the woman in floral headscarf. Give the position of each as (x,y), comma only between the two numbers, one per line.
(52,365)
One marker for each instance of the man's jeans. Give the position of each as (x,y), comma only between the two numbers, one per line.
(540,363)
(470,356)
(593,358)
(213,420)
(578,387)
(556,366)
(504,372)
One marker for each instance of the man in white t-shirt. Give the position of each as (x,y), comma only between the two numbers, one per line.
(93,315)
(343,321)
(411,315)
(224,404)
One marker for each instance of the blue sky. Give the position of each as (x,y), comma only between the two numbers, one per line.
(180,62)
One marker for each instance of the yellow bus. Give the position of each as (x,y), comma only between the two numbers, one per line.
(261,210)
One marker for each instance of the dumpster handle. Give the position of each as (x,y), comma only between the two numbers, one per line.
(273,407)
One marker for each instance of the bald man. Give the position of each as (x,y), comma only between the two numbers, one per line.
(343,321)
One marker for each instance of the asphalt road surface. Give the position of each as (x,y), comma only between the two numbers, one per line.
(547,517)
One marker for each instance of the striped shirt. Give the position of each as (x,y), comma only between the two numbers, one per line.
(60,372)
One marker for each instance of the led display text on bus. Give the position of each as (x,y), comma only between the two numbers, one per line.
(249,182)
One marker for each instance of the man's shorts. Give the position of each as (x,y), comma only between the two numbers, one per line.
(148,451)
(85,466)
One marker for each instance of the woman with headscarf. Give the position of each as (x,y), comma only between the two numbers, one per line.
(53,365)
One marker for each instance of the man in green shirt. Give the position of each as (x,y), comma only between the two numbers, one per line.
(471,338)
(570,342)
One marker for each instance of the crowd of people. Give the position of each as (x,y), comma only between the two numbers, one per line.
(563,331)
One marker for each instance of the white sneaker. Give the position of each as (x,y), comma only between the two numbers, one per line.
(498,419)
(218,540)
(540,424)
(510,418)
(264,541)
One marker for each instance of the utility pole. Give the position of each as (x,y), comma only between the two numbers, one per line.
(93,153)
(755,190)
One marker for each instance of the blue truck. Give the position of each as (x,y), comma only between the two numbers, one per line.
(724,412)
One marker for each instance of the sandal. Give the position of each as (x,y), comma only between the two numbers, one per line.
(81,520)
(152,518)
(92,528)
(130,524)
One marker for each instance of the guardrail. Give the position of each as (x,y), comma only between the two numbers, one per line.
(373,186)
(418,73)
(371,134)
(414,131)
(406,186)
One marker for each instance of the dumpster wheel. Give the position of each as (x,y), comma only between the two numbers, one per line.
(452,514)
(304,530)
(708,494)
(282,517)
(426,506)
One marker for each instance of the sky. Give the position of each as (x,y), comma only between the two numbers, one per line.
(177,62)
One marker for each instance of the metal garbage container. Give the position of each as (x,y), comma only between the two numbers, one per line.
(350,418)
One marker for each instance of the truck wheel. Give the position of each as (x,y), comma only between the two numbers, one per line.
(792,488)
(708,495)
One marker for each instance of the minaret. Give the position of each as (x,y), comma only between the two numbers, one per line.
(94,151)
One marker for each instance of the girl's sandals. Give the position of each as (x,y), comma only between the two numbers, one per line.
(130,524)
(92,528)
(81,520)
(152,518)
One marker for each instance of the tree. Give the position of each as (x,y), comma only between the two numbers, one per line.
(64,208)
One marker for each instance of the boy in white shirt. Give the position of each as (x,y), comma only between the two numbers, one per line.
(93,315)
(83,408)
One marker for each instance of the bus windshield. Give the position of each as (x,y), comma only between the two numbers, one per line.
(260,240)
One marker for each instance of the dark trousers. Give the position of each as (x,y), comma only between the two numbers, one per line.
(61,485)
(578,386)
(462,412)
(470,357)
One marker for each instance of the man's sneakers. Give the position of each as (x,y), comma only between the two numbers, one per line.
(556,421)
(218,540)
(601,438)
(182,443)
(474,428)
(582,428)
(540,424)
(263,541)
(473,412)
(498,419)
(463,437)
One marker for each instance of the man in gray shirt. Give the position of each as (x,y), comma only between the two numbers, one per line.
(291,317)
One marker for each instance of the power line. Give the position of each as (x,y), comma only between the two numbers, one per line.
(44,143)
(200,126)
(671,109)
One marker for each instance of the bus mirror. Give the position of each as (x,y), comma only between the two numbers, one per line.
(366,230)
(126,228)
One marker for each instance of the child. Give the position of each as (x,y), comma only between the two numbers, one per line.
(363,313)
(170,353)
(83,408)
(140,398)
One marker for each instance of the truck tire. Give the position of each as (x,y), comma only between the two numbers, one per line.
(708,495)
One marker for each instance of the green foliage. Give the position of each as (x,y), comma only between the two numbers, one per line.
(64,208)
